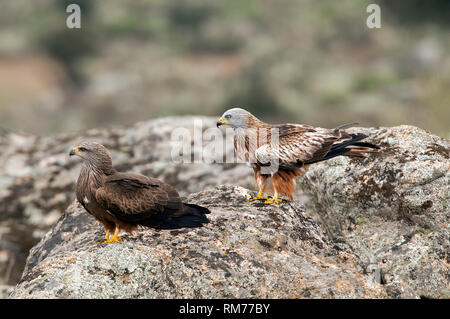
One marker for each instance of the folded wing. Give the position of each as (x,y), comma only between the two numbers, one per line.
(299,145)
(138,199)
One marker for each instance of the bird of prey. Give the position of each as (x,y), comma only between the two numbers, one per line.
(283,152)
(126,200)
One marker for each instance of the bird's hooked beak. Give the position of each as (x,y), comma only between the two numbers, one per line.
(222,122)
(74,151)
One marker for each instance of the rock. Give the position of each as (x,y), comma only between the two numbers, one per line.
(392,208)
(37,176)
(388,214)
(248,250)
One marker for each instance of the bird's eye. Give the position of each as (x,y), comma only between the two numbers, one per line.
(228,116)
(82,149)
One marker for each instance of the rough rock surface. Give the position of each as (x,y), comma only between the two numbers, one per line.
(389,213)
(393,209)
(248,250)
(37,177)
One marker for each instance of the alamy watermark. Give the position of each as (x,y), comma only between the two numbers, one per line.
(73,20)
(374,19)
(213,145)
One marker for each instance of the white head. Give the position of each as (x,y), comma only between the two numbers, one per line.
(235,118)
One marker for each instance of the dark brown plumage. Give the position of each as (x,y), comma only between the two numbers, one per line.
(287,149)
(126,200)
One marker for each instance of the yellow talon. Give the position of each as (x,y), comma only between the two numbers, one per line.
(260,196)
(273,200)
(110,240)
(113,239)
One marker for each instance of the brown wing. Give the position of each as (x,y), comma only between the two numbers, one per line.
(248,141)
(300,144)
(138,199)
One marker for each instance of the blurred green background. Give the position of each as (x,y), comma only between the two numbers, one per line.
(310,61)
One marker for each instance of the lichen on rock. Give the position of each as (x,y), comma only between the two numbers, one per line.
(359,228)
(391,207)
(246,251)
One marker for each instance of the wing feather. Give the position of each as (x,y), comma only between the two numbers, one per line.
(135,198)
(299,144)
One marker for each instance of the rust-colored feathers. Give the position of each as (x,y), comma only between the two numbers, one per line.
(291,147)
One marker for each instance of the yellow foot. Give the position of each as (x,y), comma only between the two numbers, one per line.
(256,198)
(273,200)
(113,239)
(260,196)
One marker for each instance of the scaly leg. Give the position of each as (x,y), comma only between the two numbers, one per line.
(260,181)
(260,196)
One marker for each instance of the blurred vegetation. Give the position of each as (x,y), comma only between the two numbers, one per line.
(436,12)
(305,61)
(69,46)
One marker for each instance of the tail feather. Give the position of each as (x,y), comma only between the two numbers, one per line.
(366,145)
(195,209)
(361,149)
(351,147)
(193,216)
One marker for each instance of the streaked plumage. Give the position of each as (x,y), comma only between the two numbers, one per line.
(291,148)
(126,200)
